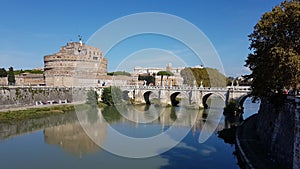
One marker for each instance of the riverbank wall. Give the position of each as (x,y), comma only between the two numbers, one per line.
(278,130)
(28,96)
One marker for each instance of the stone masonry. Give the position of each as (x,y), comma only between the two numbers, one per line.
(75,65)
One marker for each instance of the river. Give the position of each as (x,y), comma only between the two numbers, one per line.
(60,142)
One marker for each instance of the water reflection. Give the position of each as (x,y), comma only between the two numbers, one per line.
(67,132)
(188,118)
(72,138)
(10,130)
(64,132)
(25,141)
(233,119)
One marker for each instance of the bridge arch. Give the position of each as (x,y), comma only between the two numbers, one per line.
(207,95)
(185,95)
(147,96)
(242,99)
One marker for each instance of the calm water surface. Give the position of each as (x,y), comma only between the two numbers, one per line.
(60,142)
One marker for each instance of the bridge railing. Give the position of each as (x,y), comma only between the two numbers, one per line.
(131,87)
(234,88)
(239,88)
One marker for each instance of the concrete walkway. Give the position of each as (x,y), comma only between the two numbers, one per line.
(251,152)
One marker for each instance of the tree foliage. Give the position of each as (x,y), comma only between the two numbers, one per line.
(3,72)
(209,77)
(92,98)
(119,73)
(11,76)
(274,59)
(112,95)
(17,72)
(231,107)
(149,79)
(164,73)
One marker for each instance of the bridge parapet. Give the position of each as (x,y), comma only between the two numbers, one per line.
(196,95)
(241,88)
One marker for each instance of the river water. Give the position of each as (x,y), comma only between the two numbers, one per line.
(60,142)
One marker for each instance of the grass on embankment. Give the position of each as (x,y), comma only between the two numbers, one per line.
(33,113)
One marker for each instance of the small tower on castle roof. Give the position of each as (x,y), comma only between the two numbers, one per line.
(80,39)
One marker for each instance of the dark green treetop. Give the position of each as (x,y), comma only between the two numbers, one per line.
(11,76)
(275,50)
(164,73)
(3,72)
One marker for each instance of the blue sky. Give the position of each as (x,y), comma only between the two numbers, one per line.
(31,29)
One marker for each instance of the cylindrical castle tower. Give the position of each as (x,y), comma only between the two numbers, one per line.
(75,65)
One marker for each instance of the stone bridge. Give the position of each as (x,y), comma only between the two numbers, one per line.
(189,95)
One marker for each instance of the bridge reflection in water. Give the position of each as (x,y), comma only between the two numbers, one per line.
(27,140)
(67,132)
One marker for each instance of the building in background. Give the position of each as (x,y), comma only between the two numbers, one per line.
(75,65)
(30,79)
(25,79)
(175,80)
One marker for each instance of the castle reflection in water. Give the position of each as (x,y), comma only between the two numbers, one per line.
(69,133)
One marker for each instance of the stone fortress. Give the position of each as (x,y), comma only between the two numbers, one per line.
(75,65)
(79,65)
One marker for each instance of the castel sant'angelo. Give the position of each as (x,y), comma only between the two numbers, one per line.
(75,65)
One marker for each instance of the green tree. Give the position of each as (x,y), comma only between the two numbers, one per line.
(117,95)
(3,72)
(92,98)
(162,74)
(208,76)
(11,76)
(274,59)
(149,79)
(119,73)
(106,96)
(231,107)
(112,95)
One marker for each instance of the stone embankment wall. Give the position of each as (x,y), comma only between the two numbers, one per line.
(278,128)
(26,96)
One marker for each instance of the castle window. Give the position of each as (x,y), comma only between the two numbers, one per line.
(95,58)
